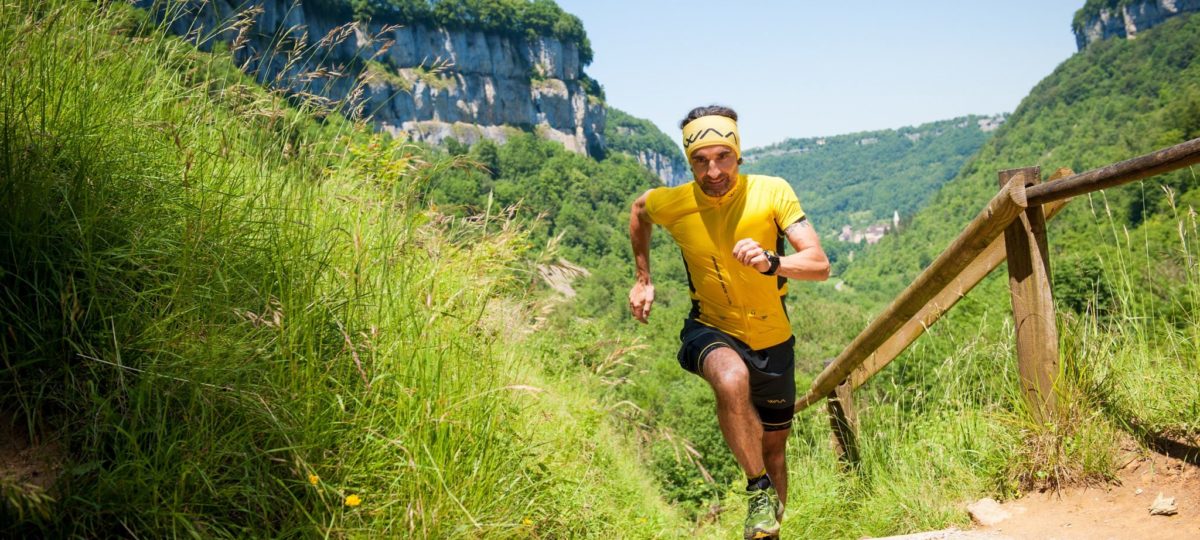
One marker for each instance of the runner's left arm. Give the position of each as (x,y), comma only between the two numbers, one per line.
(808,263)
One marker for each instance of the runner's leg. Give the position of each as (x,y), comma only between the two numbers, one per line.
(774,445)
(730,380)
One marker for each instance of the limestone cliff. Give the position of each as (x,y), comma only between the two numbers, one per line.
(642,140)
(672,170)
(1103,19)
(425,83)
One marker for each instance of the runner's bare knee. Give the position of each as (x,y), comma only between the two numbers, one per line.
(723,368)
(775,444)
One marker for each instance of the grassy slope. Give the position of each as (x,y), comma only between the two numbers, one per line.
(235,318)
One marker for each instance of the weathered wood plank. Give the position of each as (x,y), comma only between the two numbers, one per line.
(1032,301)
(933,311)
(986,227)
(945,299)
(1165,160)
(843,422)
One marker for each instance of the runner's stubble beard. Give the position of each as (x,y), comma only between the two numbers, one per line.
(714,188)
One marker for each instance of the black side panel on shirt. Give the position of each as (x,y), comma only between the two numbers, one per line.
(780,246)
(691,286)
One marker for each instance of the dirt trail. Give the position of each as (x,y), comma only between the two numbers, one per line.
(25,464)
(1118,511)
(1113,511)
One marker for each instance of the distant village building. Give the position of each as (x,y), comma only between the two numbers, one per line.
(848,234)
(872,234)
(875,233)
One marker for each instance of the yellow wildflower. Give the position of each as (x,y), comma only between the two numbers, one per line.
(527,522)
(353,500)
(313,479)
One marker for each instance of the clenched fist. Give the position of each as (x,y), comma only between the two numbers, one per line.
(749,253)
(641,297)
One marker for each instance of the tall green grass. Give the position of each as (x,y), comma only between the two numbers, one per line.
(1138,354)
(238,318)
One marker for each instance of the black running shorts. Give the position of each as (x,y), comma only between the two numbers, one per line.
(772,370)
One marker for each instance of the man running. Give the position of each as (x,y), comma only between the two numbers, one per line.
(730,228)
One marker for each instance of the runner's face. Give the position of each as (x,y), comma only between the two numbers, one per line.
(714,168)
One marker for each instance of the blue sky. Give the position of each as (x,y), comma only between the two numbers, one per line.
(804,69)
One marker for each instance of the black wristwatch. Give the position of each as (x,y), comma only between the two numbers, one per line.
(774,260)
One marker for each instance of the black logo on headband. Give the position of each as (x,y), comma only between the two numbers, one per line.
(688,141)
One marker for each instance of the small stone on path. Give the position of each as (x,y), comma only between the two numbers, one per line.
(1163,506)
(987,512)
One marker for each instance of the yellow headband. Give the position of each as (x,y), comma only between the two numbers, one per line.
(711,130)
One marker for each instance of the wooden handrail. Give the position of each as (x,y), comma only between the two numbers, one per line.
(940,286)
(954,291)
(1165,160)
(986,227)
(1019,212)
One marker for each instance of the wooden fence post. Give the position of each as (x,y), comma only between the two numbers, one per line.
(1032,302)
(843,422)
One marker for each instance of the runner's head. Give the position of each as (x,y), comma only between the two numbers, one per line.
(710,139)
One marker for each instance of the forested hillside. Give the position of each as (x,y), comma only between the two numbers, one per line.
(1112,101)
(862,178)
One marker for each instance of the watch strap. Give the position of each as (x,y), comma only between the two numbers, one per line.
(772,258)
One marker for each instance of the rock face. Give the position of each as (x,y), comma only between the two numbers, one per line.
(642,140)
(427,84)
(1126,21)
(670,169)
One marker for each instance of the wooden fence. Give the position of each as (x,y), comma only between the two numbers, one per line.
(1012,226)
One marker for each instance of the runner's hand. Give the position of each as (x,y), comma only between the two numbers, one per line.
(641,297)
(749,253)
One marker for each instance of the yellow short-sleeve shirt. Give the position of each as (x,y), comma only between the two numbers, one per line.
(726,294)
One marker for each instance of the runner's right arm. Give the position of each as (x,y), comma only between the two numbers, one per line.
(641,296)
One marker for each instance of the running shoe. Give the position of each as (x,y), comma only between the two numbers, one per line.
(762,521)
